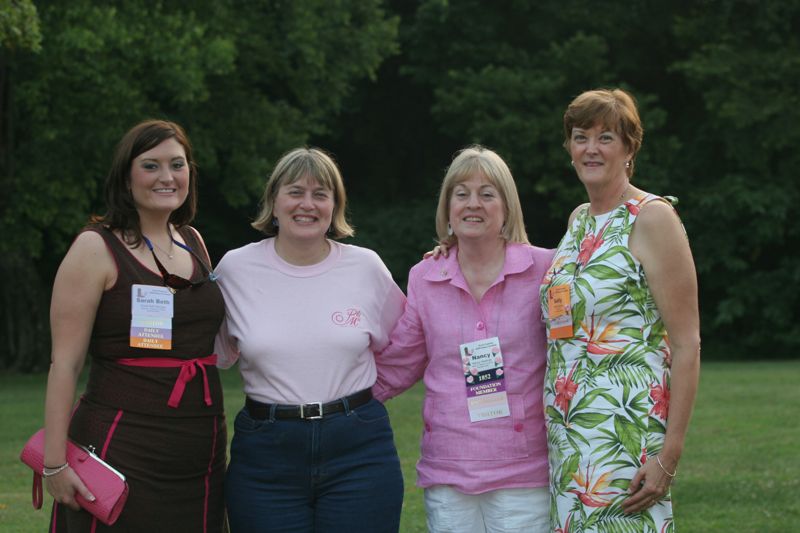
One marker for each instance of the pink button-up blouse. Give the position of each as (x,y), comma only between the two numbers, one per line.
(441,314)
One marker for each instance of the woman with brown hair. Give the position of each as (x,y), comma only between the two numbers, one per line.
(136,292)
(620,303)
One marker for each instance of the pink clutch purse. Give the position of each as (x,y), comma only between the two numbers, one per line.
(106,484)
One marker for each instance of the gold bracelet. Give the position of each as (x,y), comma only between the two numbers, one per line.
(658,460)
(50,472)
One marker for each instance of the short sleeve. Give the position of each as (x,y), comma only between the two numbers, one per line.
(226,347)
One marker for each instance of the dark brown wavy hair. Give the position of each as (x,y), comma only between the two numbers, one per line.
(121,211)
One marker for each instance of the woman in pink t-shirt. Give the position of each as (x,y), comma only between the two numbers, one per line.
(472,330)
(312,450)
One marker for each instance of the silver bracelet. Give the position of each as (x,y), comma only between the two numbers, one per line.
(50,472)
(658,460)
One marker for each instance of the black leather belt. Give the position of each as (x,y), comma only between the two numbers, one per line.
(309,411)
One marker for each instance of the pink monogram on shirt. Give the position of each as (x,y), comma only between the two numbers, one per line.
(351,317)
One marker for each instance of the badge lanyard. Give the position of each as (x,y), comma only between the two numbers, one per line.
(482,363)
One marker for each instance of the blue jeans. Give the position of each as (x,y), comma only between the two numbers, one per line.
(340,473)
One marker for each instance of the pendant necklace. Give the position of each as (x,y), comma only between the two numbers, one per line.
(624,191)
(171,253)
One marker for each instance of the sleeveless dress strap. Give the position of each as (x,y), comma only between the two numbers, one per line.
(193,240)
(635,205)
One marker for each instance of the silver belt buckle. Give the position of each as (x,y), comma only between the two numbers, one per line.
(303,414)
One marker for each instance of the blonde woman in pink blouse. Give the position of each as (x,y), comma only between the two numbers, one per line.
(472,331)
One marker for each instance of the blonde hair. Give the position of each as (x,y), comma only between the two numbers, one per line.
(298,164)
(477,159)
(615,109)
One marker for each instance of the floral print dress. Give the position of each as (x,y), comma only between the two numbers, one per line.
(606,389)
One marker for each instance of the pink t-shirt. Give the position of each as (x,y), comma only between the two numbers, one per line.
(441,314)
(305,333)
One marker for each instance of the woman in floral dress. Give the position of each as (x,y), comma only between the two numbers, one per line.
(619,391)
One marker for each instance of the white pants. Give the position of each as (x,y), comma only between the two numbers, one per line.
(497,511)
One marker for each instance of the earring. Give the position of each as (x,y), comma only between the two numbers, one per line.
(275,222)
(627,164)
(572,163)
(449,230)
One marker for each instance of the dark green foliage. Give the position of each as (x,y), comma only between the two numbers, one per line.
(19,26)
(718,90)
(393,89)
(247,80)
(742,61)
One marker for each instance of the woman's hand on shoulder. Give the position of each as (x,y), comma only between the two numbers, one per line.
(440,250)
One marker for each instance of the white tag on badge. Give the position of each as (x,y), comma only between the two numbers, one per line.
(152,309)
(482,362)
(152,301)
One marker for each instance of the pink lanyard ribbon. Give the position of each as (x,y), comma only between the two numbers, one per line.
(188,372)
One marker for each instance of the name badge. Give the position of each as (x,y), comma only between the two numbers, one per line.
(151,317)
(485,379)
(559,312)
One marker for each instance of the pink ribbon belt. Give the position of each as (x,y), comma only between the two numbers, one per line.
(188,372)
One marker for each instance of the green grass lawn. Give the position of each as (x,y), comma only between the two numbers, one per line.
(740,470)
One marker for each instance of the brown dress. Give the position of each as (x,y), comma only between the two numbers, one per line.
(173,457)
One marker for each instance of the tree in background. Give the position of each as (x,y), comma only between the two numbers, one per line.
(19,35)
(393,88)
(500,74)
(717,85)
(248,81)
(741,62)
